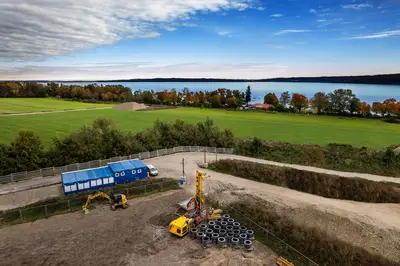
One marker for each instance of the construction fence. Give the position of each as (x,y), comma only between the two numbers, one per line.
(75,203)
(54,171)
(271,240)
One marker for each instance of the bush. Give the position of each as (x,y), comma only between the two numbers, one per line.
(324,185)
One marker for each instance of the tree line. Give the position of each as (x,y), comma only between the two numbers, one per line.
(338,102)
(91,92)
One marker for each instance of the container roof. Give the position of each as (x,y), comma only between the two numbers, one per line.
(85,175)
(126,165)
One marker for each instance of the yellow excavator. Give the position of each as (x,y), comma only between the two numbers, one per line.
(115,200)
(180,226)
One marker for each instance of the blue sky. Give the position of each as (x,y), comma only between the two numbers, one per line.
(107,39)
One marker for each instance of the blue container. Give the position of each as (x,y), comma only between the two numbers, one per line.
(128,171)
(89,179)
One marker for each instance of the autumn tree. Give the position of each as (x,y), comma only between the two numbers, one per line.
(378,108)
(365,108)
(299,101)
(285,98)
(232,102)
(390,105)
(215,101)
(319,101)
(271,99)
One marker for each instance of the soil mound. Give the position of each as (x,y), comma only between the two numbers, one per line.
(131,106)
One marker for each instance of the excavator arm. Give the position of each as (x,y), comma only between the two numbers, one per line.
(93,196)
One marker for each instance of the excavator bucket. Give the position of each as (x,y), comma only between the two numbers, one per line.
(86,210)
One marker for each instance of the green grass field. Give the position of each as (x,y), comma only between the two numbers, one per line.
(23,105)
(279,127)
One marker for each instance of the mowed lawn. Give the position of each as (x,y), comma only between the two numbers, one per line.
(278,127)
(23,105)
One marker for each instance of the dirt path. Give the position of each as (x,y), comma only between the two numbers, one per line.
(60,111)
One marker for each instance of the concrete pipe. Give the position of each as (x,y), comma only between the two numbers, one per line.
(242,238)
(217,228)
(228,237)
(248,245)
(221,242)
(223,225)
(235,242)
(250,234)
(203,227)
(211,224)
(230,221)
(229,228)
(236,233)
(242,229)
(207,242)
(218,221)
(209,232)
(193,233)
(214,238)
(222,232)
(236,226)
(200,236)
(226,217)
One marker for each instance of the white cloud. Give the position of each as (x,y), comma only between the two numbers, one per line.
(143,70)
(290,31)
(312,11)
(260,8)
(224,33)
(41,28)
(276,15)
(356,6)
(321,20)
(378,35)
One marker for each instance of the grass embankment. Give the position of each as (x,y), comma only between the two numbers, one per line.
(324,185)
(276,127)
(29,105)
(71,203)
(314,243)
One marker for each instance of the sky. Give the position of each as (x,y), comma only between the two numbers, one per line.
(250,39)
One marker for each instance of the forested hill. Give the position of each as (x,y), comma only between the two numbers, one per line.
(389,79)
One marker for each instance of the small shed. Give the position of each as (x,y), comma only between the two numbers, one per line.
(128,171)
(87,179)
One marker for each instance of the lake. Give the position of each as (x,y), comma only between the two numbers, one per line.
(367,93)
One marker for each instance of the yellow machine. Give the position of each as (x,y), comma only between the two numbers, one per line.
(180,226)
(116,200)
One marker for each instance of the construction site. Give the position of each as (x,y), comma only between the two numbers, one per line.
(164,228)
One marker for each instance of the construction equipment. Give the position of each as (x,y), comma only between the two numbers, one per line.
(283,262)
(116,200)
(195,216)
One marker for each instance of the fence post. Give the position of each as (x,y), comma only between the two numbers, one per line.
(190,148)
(140,155)
(69,206)
(54,171)
(157,153)
(148,154)
(26,174)
(41,172)
(100,162)
(45,210)
(89,165)
(174,149)
(20,215)
(78,166)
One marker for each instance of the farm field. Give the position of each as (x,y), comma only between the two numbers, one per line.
(13,105)
(278,127)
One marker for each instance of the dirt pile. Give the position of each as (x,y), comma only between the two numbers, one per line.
(130,106)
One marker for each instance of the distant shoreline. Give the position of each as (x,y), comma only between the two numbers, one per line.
(384,79)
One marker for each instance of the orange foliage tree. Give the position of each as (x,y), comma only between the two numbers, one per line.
(299,101)
(365,108)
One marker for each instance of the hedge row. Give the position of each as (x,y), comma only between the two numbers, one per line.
(324,185)
(324,249)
